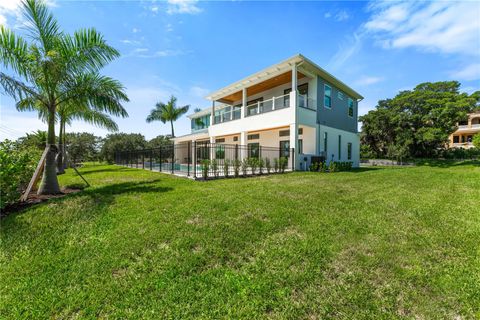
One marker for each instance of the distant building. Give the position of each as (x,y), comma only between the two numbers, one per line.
(462,138)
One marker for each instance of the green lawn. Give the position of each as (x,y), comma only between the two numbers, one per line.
(379,243)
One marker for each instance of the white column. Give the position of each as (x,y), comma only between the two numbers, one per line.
(293,115)
(212,115)
(212,148)
(243,143)
(244,103)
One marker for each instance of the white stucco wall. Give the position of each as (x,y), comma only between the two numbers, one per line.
(332,144)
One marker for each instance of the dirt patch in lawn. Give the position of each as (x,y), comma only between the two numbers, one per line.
(33,199)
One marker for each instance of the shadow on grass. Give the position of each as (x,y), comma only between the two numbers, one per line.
(101,197)
(447,163)
(91,170)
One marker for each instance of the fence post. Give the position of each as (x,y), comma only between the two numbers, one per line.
(189,150)
(143,159)
(173,156)
(160,158)
(236,152)
(151,162)
(194,156)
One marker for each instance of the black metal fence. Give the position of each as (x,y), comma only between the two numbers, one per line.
(210,160)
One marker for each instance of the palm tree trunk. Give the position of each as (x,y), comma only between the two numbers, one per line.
(60,155)
(171,124)
(49,183)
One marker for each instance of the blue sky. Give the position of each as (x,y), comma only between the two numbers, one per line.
(190,48)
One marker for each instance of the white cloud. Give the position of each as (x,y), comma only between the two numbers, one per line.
(443,26)
(154,9)
(183,6)
(135,30)
(368,80)
(342,16)
(169,27)
(198,92)
(132,42)
(470,72)
(11,10)
(146,53)
(347,49)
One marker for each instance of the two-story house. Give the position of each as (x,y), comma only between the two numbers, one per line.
(294,104)
(462,138)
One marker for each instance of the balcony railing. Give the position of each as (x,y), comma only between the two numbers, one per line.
(227,116)
(305,102)
(466,126)
(272,104)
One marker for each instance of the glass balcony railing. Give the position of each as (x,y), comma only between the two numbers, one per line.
(305,102)
(227,116)
(274,103)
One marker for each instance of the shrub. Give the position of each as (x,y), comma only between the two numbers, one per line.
(275,165)
(204,166)
(244,166)
(261,165)
(253,164)
(236,167)
(268,166)
(323,167)
(226,167)
(214,166)
(17,166)
(282,164)
(314,166)
(332,167)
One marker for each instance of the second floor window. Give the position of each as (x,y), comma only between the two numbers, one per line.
(327,101)
(350,107)
(201,122)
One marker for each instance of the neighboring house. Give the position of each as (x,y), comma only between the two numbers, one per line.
(462,138)
(293,104)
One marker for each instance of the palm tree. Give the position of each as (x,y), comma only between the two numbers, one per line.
(56,69)
(167,112)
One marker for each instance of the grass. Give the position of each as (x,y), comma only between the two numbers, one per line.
(376,243)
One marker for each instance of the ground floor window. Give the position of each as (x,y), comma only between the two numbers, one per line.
(253,150)
(285,148)
(349,151)
(300,146)
(456,139)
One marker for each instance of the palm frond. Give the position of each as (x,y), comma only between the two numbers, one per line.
(98,92)
(13,51)
(95,118)
(17,89)
(41,24)
(87,49)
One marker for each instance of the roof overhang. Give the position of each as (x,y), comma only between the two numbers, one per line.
(280,70)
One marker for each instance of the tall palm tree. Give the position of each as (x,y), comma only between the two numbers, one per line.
(55,68)
(167,112)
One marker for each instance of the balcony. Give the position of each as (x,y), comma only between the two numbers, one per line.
(272,104)
(305,102)
(227,116)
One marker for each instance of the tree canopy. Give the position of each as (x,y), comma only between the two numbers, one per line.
(416,123)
